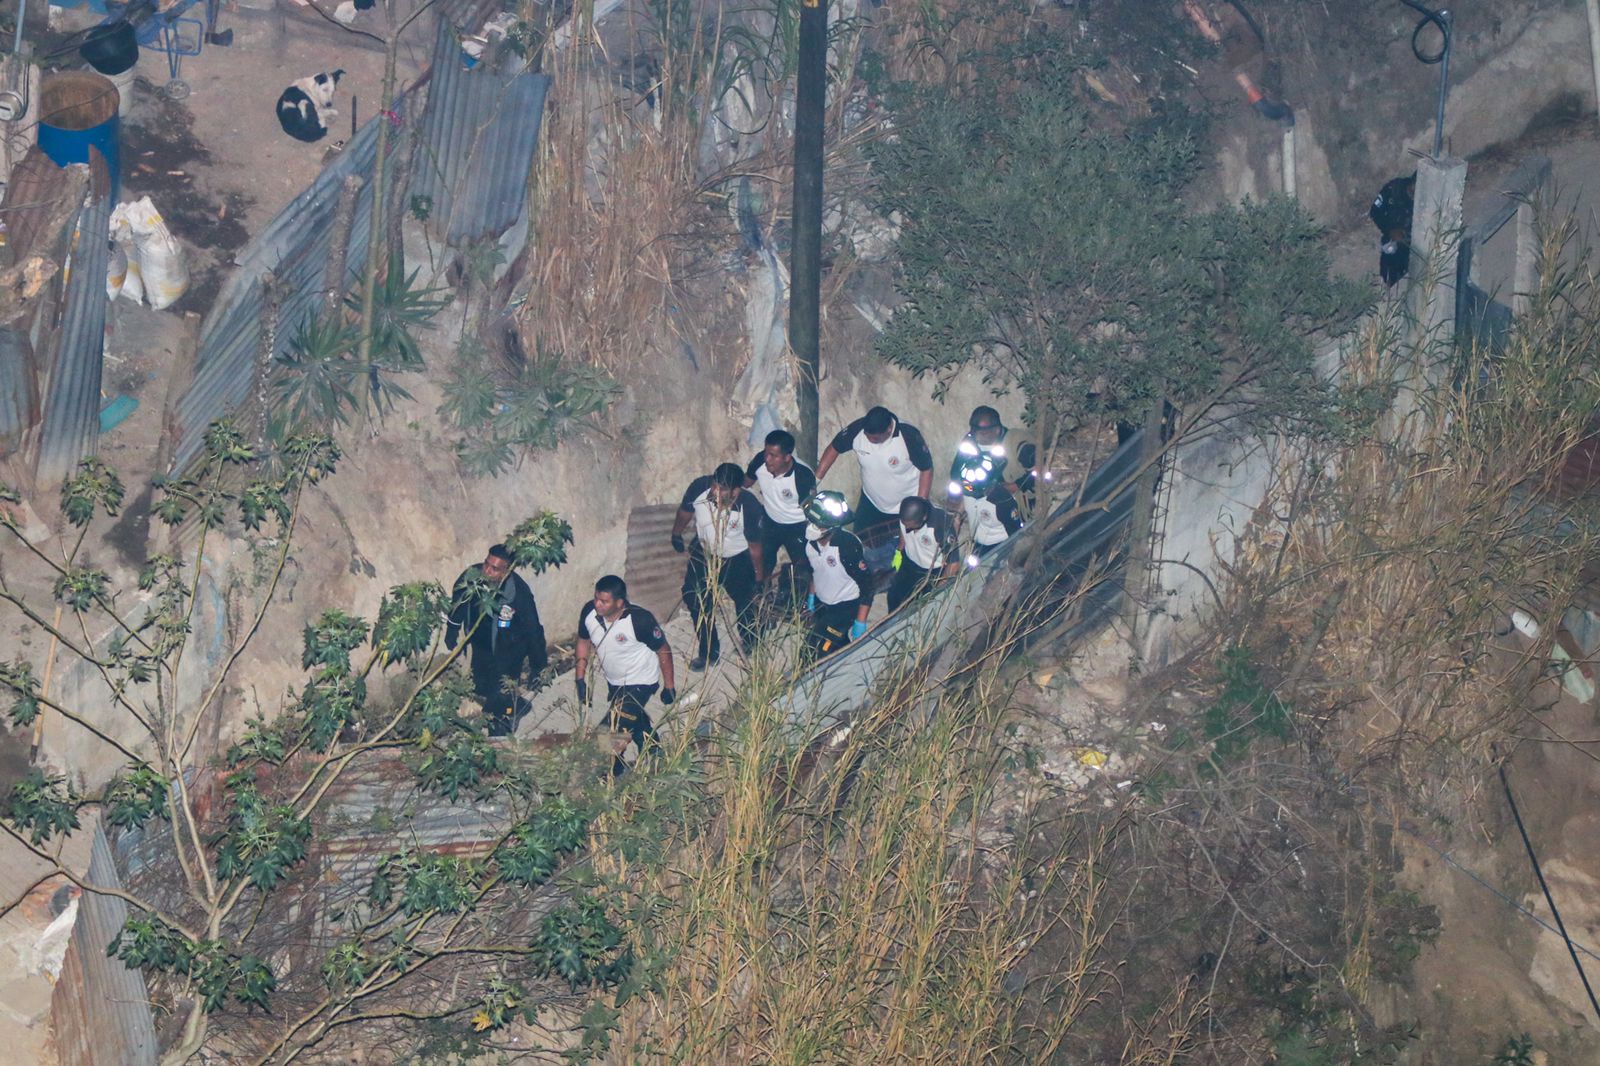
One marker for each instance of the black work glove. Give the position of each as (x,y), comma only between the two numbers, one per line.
(583,692)
(450,634)
(667,696)
(678,545)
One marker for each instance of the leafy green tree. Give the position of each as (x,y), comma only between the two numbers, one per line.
(1057,253)
(206,939)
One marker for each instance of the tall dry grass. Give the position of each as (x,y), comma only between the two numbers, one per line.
(875,897)
(1392,587)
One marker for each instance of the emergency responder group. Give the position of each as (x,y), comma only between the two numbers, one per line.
(733,523)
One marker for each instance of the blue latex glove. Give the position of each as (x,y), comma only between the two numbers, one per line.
(858,630)
(811,602)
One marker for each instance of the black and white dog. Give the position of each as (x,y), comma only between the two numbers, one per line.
(306,107)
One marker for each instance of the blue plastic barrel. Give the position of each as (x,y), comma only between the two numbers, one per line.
(77,112)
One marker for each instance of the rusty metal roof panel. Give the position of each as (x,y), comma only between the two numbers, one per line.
(70,429)
(654,572)
(480,130)
(100,1008)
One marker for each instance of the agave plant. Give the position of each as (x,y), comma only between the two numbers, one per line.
(400,309)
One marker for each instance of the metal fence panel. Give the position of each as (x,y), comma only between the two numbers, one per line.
(19,398)
(831,693)
(100,1008)
(71,425)
(292,249)
(478,138)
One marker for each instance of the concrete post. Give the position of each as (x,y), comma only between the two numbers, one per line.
(1430,287)
(1526,276)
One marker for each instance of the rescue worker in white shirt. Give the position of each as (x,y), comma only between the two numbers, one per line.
(726,549)
(927,550)
(840,596)
(989,509)
(634,658)
(986,435)
(784,483)
(895,463)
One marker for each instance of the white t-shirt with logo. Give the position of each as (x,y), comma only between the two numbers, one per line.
(927,548)
(781,497)
(992,518)
(838,568)
(890,471)
(724,531)
(626,649)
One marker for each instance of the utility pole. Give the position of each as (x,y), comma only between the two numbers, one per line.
(805,255)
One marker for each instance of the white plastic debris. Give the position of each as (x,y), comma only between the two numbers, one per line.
(157,256)
(116,271)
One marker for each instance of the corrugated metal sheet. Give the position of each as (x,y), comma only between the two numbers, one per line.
(100,1008)
(654,571)
(19,396)
(837,687)
(478,133)
(293,250)
(71,426)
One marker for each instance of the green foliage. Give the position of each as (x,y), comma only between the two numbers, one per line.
(94,487)
(262,742)
(346,967)
(1517,1051)
(536,847)
(427,882)
(466,763)
(408,618)
(399,310)
(146,943)
(260,840)
(329,702)
(80,586)
(540,542)
(507,412)
(421,207)
(1403,925)
(18,678)
(1244,710)
(1064,259)
(315,383)
(40,805)
(331,638)
(579,943)
(134,796)
(311,456)
(435,711)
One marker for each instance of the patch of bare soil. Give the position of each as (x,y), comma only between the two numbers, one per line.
(164,160)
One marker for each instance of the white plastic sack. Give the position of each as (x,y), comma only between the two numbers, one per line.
(116,271)
(162,267)
(122,239)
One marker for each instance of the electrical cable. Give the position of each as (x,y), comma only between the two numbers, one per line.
(1452,861)
(1441,19)
(1505,783)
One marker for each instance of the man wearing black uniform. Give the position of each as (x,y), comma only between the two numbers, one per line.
(784,483)
(727,550)
(840,597)
(927,550)
(634,658)
(1391,212)
(895,463)
(496,608)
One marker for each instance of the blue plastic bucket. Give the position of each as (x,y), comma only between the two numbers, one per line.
(77,112)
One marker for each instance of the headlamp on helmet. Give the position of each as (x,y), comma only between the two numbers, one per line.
(827,510)
(975,475)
